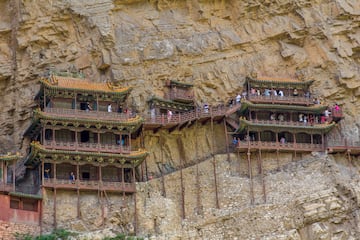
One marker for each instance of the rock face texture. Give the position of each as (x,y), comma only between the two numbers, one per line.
(213,45)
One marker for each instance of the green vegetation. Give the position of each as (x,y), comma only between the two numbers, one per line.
(59,234)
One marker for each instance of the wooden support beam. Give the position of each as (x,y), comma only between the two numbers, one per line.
(162,167)
(226,140)
(135,214)
(78,202)
(239,160)
(197,177)
(182,183)
(214,164)
(262,176)
(250,177)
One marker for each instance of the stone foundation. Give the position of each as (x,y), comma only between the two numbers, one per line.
(8,230)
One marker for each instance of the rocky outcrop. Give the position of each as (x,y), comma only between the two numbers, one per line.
(213,45)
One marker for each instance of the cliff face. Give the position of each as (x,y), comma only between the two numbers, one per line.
(211,44)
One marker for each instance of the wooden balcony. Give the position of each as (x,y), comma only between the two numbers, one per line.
(343,146)
(90,185)
(87,147)
(76,113)
(244,146)
(292,100)
(6,187)
(201,114)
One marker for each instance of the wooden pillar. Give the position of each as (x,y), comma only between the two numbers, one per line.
(130,141)
(2,171)
(250,177)
(76,139)
(197,177)
(214,164)
(75,95)
(78,202)
(262,176)
(135,214)
(294,143)
(239,160)
(77,178)
(5,172)
(42,172)
(162,168)
(227,140)
(323,141)
(98,140)
(54,173)
(14,175)
(182,191)
(97,102)
(43,134)
(44,98)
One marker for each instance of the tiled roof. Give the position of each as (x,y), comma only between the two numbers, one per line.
(81,84)
(9,157)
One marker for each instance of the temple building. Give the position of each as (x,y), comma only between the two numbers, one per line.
(83,139)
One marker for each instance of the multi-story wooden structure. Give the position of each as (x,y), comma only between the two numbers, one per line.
(281,115)
(80,139)
(16,206)
(285,121)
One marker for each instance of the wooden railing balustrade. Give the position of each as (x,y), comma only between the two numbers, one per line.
(277,145)
(61,112)
(89,147)
(6,187)
(278,99)
(89,184)
(287,123)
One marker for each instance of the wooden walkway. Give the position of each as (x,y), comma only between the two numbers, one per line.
(344,146)
(181,120)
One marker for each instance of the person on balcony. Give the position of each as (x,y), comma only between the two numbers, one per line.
(169,115)
(235,141)
(47,173)
(266,92)
(238,98)
(295,93)
(109,107)
(274,92)
(72,178)
(282,140)
(88,107)
(272,117)
(281,93)
(281,117)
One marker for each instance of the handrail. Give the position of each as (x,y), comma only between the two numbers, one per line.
(279,145)
(89,147)
(281,99)
(91,114)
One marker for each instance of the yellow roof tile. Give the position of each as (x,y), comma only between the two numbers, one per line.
(81,84)
(278,79)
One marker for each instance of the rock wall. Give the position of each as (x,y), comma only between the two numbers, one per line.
(9,230)
(213,45)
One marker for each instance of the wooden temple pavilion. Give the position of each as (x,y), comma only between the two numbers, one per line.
(80,139)
(16,206)
(282,122)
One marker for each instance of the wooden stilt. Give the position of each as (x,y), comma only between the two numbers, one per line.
(262,176)
(250,177)
(227,141)
(102,208)
(197,177)
(239,160)
(182,183)
(277,159)
(214,164)
(78,202)
(162,168)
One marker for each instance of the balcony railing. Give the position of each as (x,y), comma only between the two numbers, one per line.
(6,187)
(61,112)
(284,123)
(281,100)
(89,185)
(280,146)
(88,147)
(184,117)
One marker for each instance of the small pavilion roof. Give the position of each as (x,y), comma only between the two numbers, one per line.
(83,85)
(277,82)
(9,157)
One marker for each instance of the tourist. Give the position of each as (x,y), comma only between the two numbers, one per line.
(235,141)
(253,91)
(274,92)
(301,117)
(47,173)
(281,117)
(88,107)
(120,109)
(281,93)
(109,107)
(282,140)
(238,98)
(169,115)
(72,178)
(295,92)
(206,108)
(266,92)
(272,117)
